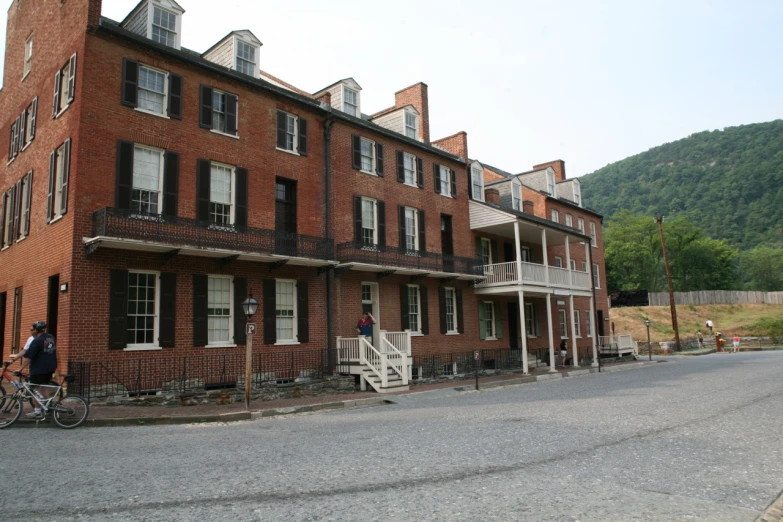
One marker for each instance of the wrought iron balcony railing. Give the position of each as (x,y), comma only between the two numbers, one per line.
(403,258)
(185,232)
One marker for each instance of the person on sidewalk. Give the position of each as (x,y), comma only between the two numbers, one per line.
(708,324)
(30,339)
(42,358)
(736,343)
(564,353)
(364,326)
(700,339)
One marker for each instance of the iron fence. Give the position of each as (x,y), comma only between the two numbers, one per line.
(184,374)
(402,257)
(179,231)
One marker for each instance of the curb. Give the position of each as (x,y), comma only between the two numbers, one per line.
(774,512)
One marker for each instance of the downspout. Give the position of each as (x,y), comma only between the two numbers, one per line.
(328,122)
(596,339)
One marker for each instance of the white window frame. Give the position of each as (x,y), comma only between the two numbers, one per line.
(28,56)
(295,136)
(408,128)
(162,154)
(531,321)
(24,214)
(451,293)
(8,221)
(577,325)
(577,192)
(232,213)
(563,323)
(358,113)
(374,203)
(489,307)
(409,159)
(416,330)
(415,231)
(27,139)
(58,182)
(525,254)
(581,225)
(374,158)
(151,20)
(65,93)
(588,323)
(237,58)
(516,196)
(155,345)
(555,216)
(573,265)
(477,174)
(593,238)
(229,342)
(558,262)
(569,220)
(165,91)
(596,276)
(486,254)
(584,266)
(551,186)
(445,176)
(294,330)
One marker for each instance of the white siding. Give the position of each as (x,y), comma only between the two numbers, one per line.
(483,216)
(337,96)
(394,121)
(138,22)
(535,180)
(223,53)
(565,190)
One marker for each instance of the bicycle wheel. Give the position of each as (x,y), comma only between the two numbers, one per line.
(2,396)
(10,411)
(70,411)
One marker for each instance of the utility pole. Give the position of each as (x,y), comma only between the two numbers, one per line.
(675,327)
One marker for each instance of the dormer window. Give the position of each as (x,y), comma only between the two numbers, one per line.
(411,125)
(350,102)
(164,27)
(577,192)
(477,183)
(550,183)
(158,20)
(516,196)
(246,58)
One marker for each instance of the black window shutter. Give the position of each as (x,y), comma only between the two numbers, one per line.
(18,210)
(200,312)
(240,214)
(436,175)
(240,319)
(118,309)
(175,96)
(205,119)
(33,116)
(302,136)
(202,190)
(493,247)
(168,308)
(460,315)
(15,139)
(442,309)
(470,183)
(72,78)
(357,220)
(401,218)
(130,83)
(425,316)
(270,311)
(50,196)
(422,232)
(231,114)
(2,220)
(400,166)
(379,159)
(56,97)
(381,224)
(419,173)
(170,183)
(453,184)
(66,176)
(406,324)
(125,175)
(356,151)
(302,312)
(282,130)
(26,217)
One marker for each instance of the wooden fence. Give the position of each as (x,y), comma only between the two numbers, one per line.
(709,297)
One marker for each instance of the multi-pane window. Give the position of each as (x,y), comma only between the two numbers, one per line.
(290,131)
(409,166)
(577,326)
(445,181)
(24,223)
(142,308)
(219,309)
(350,101)
(369,222)
(581,225)
(593,241)
(531,320)
(477,183)
(64,87)
(164,27)
(30,115)
(152,90)
(573,264)
(569,220)
(414,308)
(220,195)
(596,276)
(285,310)
(411,229)
(563,325)
(526,254)
(489,318)
(550,183)
(555,216)
(584,266)
(410,125)
(486,251)
(558,262)
(60,180)
(246,58)
(516,196)
(588,324)
(28,56)
(577,193)
(147,180)
(64,99)
(451,310)
(219,111)
(366,294)
(8,218)
(368,155)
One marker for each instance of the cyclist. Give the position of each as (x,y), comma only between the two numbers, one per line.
(30,339)
(42,358)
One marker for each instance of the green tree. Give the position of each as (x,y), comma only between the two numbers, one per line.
(763,268)
(632,250)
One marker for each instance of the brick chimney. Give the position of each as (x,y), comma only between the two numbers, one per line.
(492,196)
(456,144)
(557,165)
(94,12)
(416,95)
(325,98)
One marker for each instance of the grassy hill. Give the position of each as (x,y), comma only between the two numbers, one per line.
(729,183)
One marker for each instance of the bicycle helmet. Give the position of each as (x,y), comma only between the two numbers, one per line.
(39,326)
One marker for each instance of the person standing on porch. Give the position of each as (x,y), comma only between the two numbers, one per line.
(364,326)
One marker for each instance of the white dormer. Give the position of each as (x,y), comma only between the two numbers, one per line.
(238,50)
(551,186)
(345,96)
(516,195)
(577,192)
(404,120)
(158,20)
(477,181)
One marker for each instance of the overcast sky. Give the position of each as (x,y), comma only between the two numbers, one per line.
(530,81)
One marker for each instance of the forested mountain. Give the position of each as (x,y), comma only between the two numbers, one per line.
(729,183)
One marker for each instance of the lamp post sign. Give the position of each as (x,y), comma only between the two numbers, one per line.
(250,329)
(476,358)
(649,344)
(249,306)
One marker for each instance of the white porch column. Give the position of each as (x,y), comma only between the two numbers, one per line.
(546,258)
(522,329)
(551,335)
(568,263)
(595,332)
(519,254)
(574,357)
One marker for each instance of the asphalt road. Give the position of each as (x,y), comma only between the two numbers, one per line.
(693,439)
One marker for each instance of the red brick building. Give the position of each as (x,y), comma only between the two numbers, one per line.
(165,186)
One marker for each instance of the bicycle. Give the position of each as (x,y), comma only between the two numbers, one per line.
(6,375)
(68,411)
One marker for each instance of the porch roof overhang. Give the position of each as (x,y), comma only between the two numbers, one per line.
(98,242)
(395,270)
(513,290)
(492,220)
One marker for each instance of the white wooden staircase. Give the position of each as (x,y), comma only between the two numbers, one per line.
(385,367)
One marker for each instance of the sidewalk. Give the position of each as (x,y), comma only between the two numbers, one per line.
(156,415)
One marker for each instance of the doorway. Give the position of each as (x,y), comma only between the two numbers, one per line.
(600,323)
(447,242)
(371,304)
(285,217)
(513,325)
(53,304)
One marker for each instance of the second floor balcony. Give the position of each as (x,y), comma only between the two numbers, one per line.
(402,260)
(503,274)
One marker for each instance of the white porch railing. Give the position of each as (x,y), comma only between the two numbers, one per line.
(395,359)
(374,360)
(558,276)
(391,354)
(580,279)
(533,273)
(399,340)
(347,349)
(617,344)
(500,273)
(503,274)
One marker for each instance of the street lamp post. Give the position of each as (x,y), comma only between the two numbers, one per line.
(249,306)
(649,344)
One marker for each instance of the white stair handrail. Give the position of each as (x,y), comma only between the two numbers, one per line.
(374,360)
(397,360)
